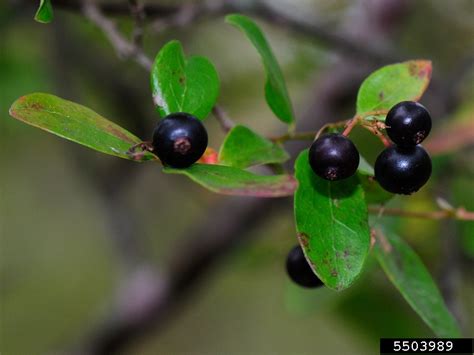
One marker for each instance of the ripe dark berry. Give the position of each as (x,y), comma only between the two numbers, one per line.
(333,157)
(408,123)
(299,270)
(179,140)
(403,170)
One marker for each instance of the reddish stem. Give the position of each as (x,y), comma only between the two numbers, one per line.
(350,125)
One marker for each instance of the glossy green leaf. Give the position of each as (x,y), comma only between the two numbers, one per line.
(332,225)
(44,14)
(374,193)
(76,123)
(183,85)
(232,181)
(393,83)
(407,272)
(276,92)
(243,147)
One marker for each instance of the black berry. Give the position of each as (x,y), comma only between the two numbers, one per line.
(408,123)
(333,157)
(403,170)
(179,140)
(299,270)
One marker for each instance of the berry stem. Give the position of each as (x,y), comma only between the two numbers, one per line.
(331,126)
(351,124)
(379,135)
(460,213)
(373,113)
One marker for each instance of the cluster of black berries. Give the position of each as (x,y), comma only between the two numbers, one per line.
(403,168)
(179,140)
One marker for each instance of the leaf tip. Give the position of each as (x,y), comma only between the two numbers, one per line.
(230,18)
(421,69)
(44,14)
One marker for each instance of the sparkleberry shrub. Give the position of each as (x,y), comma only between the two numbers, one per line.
(331,214)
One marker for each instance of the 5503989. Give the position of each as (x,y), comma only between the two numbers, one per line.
(447,346)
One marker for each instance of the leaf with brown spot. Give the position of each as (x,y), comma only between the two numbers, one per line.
(336,234)
(392,84)
(76,123)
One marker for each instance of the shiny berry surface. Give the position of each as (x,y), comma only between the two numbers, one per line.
(408,123)
(299,270)
(179,140)
(403,170)
(333,157)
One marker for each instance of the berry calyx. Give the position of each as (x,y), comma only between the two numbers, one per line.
(403,170)
(299,270)
(408,123)
(333,157)
(179,140)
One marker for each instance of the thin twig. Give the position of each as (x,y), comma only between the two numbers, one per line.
(124,48)
(460,213)
(138,15)
(224,120)
(191,12)
(294,136)
(339,42)
(169,16)
(110,8)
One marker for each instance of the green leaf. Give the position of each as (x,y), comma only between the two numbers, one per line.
(44,14)
(407,272)
(183,85)
(364,167)
(276,92)
(391,84)
(243,148)
(232,181)
(76,123)
(332,225)
(374,193)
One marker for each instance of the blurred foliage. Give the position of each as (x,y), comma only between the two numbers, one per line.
(58,264)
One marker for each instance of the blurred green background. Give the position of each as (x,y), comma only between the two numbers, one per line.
(60,266)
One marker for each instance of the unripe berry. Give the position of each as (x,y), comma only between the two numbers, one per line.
(333,157)
(299,270)
(179,140)
(403,170)
(408,123)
